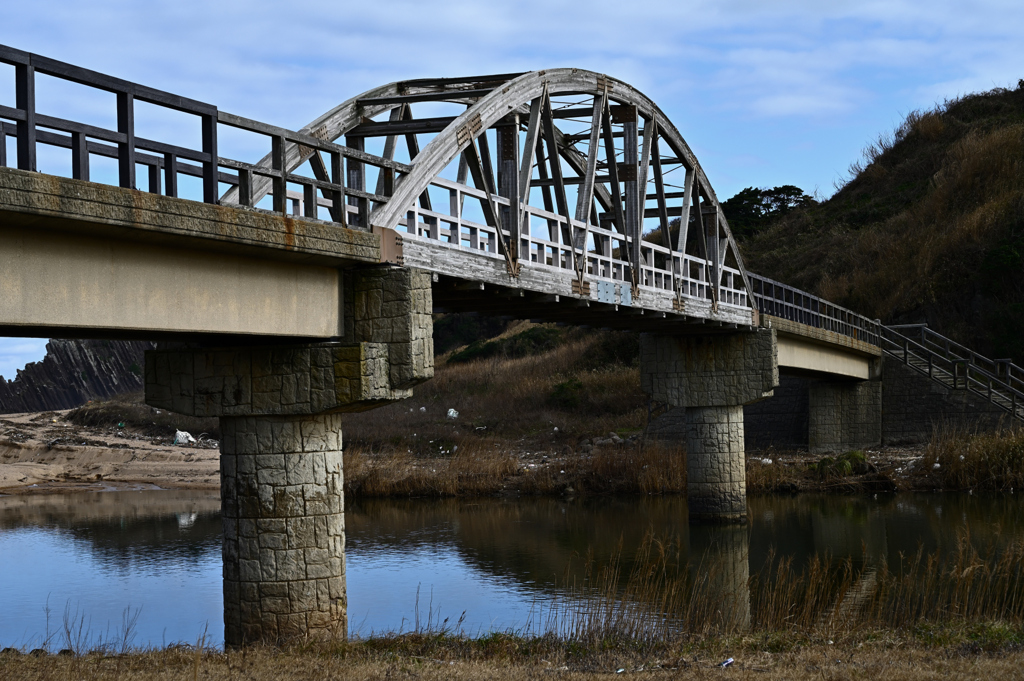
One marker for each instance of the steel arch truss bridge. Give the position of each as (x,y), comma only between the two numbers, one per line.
(563,194)
(555,183)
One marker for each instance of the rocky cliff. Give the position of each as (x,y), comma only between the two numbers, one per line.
(74,372)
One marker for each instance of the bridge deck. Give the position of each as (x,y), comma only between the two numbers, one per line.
(85,259)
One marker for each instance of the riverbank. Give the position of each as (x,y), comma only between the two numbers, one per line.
(52,452)
(47,453)
(925,652)
(124,444)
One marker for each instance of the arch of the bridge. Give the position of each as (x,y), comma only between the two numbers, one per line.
(490,103)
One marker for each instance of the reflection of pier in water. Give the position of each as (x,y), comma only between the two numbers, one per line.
(543,545)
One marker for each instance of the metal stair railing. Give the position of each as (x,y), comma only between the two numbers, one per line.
(1000,381)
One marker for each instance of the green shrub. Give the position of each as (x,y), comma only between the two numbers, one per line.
(850,463)
(567,394)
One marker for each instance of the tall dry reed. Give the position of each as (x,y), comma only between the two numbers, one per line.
(486,467)
(977,460)
(663,599)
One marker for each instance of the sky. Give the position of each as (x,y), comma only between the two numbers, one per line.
(765,92)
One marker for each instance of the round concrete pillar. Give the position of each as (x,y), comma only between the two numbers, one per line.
(716,483)
(284,529)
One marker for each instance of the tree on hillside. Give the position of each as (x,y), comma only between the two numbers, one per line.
(754,208)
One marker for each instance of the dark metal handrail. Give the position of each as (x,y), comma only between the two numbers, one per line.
(956,366)
(339,189)
(779,300)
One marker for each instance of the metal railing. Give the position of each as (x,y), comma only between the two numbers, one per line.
(1000,381)
(545,242)
(779,300)
(338,184)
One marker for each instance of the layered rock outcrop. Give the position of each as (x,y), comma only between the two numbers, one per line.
(74,372)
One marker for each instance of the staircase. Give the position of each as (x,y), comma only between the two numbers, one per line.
(1000,381)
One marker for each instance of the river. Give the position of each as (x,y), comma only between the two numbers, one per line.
(84,568)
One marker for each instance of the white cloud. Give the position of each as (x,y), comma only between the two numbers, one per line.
(740,62)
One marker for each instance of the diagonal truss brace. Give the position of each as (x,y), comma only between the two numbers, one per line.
(490,206)
(585,200)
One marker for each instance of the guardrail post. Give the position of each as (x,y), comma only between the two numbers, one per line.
(25,100)
(280,188)
(171,175)
(126,149)
(211,193)
(338,210)
(357,180)
(309,207)
(245,187)
(154,178)
(79,156)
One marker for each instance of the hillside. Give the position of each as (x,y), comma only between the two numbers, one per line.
(929,227)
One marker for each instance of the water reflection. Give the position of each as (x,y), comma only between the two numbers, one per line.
(719,559)
(501,562)
(88,557)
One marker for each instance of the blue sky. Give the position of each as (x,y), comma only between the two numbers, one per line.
(765,92)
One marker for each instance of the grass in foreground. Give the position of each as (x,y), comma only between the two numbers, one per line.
(967,652)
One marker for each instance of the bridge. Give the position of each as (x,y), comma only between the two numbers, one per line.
(300,283)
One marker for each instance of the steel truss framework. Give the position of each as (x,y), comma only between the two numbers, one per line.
(581,168)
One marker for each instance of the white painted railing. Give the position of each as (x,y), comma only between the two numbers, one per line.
(662,269)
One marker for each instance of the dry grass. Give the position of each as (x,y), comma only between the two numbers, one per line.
(917,254)
(882,658)
(927,228)
(131,411)
(483,468)
(662,600)
(523,398)
(774,478)
(982,461)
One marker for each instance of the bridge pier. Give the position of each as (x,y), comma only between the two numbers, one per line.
(284,528)
(844,415)
(712,377)
(716,476)
(281,448)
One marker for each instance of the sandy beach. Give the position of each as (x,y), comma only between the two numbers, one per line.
(43,453)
